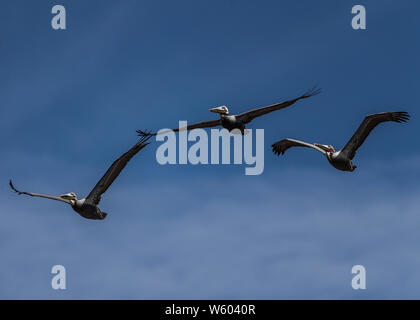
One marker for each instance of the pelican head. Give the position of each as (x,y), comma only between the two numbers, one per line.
(69,196)
(221,110)
(327,148)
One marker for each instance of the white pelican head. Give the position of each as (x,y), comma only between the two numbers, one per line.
(327,148)
(221,110)
(69,196)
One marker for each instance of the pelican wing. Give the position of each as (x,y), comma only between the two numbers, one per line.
(281,146)
(204,124)
(114,170)
(368,124)
(37,194)
(252,114)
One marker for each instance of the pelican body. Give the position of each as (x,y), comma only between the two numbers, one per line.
(88,207)
(239,121)
(342,159)
(231,123)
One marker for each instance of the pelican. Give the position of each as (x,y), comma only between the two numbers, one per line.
(231,122)
(342,159)
(88,207)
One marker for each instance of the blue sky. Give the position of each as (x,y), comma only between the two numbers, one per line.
(71,102)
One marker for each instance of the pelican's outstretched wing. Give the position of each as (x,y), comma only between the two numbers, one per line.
(370,122)
(250,115)
(37,194)
(114,170)
(204,124)
(281,146)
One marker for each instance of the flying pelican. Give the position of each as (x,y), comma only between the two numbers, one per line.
(88,207)
(342,159)
(231,122)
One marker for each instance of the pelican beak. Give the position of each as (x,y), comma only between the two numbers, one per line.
(68,196)
(325,147)
(221,110)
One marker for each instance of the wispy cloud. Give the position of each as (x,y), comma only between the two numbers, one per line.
(211,241)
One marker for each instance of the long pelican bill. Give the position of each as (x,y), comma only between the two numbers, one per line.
(221,110)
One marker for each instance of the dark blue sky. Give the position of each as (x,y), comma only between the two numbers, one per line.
(71,102)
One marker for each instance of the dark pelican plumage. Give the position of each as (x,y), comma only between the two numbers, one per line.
(239,121)
(342,159)
(88,207)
